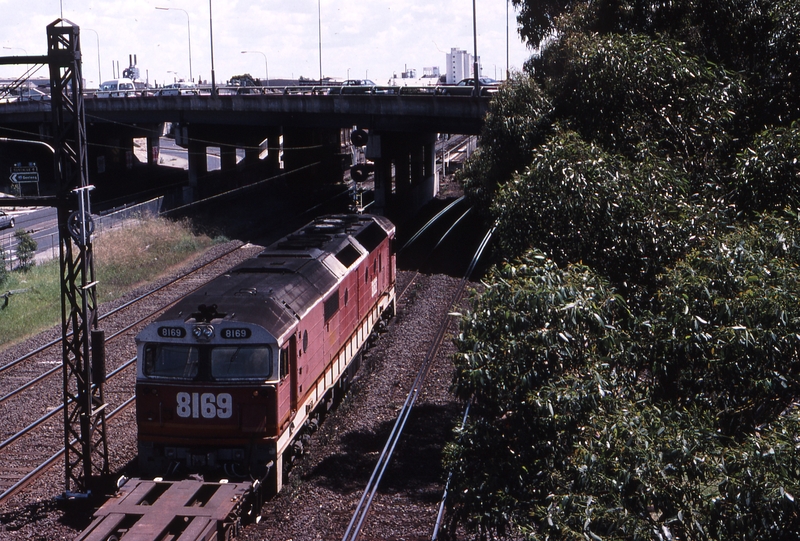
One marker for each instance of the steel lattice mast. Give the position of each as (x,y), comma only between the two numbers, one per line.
(85,442)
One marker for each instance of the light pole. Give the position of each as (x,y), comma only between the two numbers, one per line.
(211,35)
(319,19)
(266,66)
(508,71)
(189,31)
(27,67)
(99,75)
(475,44)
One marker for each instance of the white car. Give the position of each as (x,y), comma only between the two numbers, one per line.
(6,221)
(117,88)
(179,89)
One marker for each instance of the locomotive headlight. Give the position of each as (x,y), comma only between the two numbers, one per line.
(203,332)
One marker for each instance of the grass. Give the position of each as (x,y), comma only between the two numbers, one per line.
(124,259)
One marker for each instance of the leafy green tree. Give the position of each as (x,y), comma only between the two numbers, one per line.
(518,121)
(579,203)
(632,94)
(26,249)
(767,172)
(3,269)
(591,420)
(640,381)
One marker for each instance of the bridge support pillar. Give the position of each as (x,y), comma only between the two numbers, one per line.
(274,149)
(227,158)
(413,159)
(198,168)
(152,150)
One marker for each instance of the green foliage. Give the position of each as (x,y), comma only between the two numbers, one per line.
(727,332)
(579,203)
(3,268)
(643,383)
(518,121)
(26,249)
(592,420)
(767,172)
(632,94)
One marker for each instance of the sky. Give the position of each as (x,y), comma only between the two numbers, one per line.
(371,39)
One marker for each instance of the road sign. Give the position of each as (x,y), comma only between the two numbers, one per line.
(21,174)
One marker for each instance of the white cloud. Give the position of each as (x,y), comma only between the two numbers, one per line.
(374,38)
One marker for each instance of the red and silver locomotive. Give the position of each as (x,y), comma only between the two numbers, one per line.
(228,377)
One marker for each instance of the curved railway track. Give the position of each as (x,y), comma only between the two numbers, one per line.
(361,513)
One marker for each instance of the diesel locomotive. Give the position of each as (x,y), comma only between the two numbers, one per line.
(229,377)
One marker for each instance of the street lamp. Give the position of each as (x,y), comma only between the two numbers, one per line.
(319,19)
(99,75)
(211,36)
(475,44)
(189,31)
(508,71)
(27,67)
(266,66)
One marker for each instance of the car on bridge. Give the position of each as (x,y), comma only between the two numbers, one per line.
(6,221)
(358,82)
(181,88)
(483,81)
(117,88)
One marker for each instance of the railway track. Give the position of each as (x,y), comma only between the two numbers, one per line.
(362,510)
(122,394)
(31,385)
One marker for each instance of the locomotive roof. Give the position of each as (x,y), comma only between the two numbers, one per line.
(280,285)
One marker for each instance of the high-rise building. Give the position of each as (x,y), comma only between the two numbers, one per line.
(459,65)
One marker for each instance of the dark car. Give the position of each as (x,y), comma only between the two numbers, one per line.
(6,221)
(484,81)
(358,82)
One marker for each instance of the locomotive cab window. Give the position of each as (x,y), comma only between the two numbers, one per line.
(284,369)
(173,361)
(241,362)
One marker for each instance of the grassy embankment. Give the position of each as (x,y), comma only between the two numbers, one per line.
(123,258)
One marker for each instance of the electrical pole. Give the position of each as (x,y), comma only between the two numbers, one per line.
(85,442)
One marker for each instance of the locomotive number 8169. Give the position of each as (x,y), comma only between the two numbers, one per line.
(228,377)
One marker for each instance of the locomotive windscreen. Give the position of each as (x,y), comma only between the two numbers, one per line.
(171,361)
(241,362)
(208,362)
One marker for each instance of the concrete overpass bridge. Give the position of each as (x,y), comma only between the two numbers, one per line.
(278,131)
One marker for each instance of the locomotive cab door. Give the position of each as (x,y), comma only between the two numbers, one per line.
(287,387)
(293,377)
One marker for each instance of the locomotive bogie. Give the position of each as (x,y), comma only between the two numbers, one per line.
(230,376)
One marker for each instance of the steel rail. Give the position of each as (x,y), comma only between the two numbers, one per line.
(52,343)
(365,503)
(429,223)
(47,464)
(11,439)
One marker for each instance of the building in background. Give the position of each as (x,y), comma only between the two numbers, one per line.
(459,66)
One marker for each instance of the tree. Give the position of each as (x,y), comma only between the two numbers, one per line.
(26,249)
(634,361)
(593,419)
(3,269)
